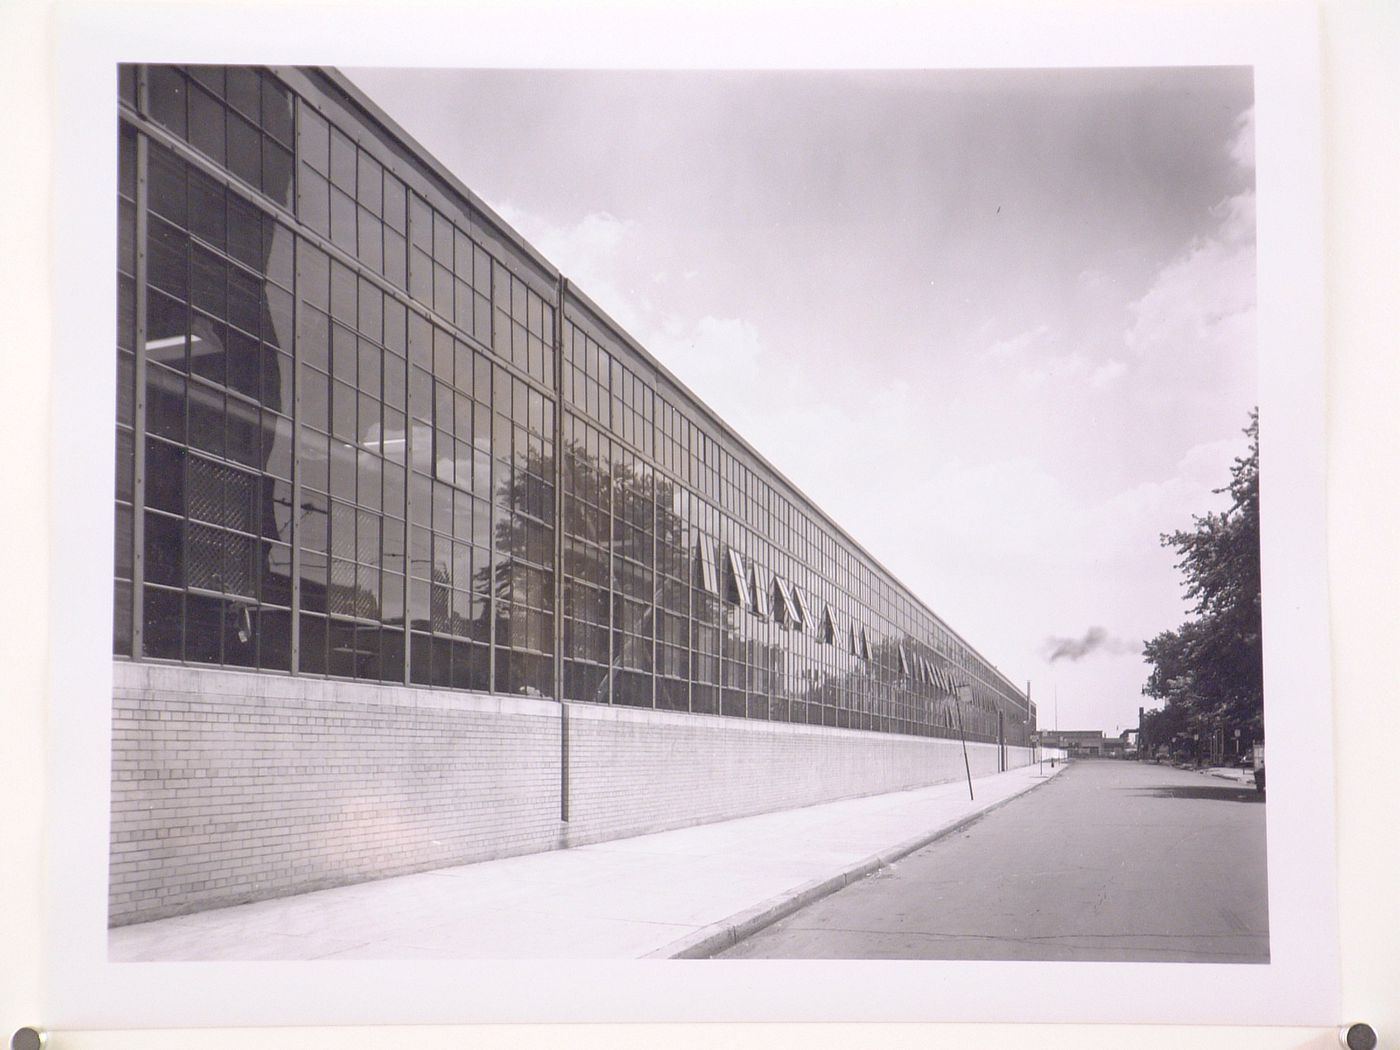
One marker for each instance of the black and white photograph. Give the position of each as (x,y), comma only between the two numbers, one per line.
(506,490)
(732,540)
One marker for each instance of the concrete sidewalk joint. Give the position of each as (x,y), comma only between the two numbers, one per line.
(718,936)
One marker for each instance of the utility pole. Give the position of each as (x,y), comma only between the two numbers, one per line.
(957,705)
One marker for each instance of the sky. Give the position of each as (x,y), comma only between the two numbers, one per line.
(999,324)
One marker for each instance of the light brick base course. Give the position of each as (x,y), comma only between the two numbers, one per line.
(230,786)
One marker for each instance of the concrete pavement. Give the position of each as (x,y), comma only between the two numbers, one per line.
(1113,862)
(674,894)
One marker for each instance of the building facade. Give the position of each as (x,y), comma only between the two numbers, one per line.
(1079,741)
(377,457)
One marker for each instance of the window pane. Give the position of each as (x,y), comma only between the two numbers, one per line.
(313,200)
(314,460)
(168,266)
(207,210)
(242,90)
(206,124)
(274,627)
(244,232)
(166,88)
(315,399)
(212,77)
(164,552)
(313,644)
(313,275)
(394,203)
(277,168)
(343,232)
(342,171)
(276,110)
(370,185)
(244,150)
(369,480)
(314,145)
(162,623)
(165,403)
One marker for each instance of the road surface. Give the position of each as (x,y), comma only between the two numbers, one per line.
(1110,861)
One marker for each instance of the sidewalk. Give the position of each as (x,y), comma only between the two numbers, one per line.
(684,893)
(1240,776)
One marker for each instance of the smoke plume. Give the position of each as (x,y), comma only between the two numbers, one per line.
(1095,639)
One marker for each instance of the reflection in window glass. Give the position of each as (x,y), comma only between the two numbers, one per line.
(646,491)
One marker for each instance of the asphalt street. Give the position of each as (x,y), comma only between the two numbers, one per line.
(1110,861)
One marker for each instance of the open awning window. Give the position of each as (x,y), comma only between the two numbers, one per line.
(784,607)
(804,615)
(761,602)
(709,572)
(738,590)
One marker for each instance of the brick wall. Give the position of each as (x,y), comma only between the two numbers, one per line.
(634,771)
(230,786)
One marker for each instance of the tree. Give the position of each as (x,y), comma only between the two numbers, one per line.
(1210,670)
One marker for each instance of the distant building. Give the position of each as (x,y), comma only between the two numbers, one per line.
(1079,741)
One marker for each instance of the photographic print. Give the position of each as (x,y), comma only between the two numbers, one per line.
(476,614)
(677,529)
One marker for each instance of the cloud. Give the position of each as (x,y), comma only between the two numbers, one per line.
(593,240)
(1092,279)
(1200,307)
(1032,352)
(1107,374)
(1242,145)
(1074,367)
(1236,217)
(595,253)
(1054,366)
(1013,348)
(1201,304)
(720,358)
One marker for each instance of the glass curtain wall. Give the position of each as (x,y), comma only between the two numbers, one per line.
(337,423)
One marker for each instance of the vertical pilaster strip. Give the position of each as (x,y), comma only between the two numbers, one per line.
(408,552)
(298,309)
(138,437)
(491,499)
(404,604)
(408,586)
(561,291)
(560,294)
(653,466)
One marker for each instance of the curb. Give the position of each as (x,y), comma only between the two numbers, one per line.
(717,936)
(1230,777)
